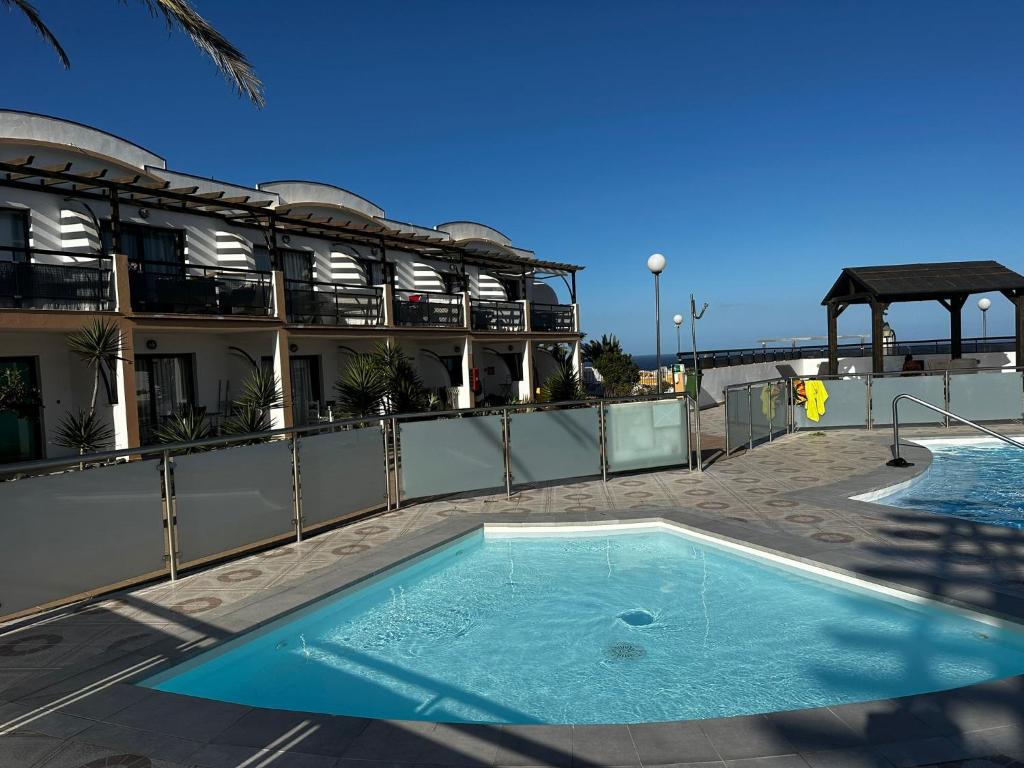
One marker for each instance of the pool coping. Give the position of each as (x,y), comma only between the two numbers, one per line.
(973,721)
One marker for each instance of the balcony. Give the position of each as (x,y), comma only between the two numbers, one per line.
(428,308)
(316,303)
(553,318)
(506,316)
(198,290)
(85,286)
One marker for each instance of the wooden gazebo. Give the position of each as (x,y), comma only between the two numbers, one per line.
(948,283)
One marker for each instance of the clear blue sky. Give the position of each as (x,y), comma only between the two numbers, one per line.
(760,146)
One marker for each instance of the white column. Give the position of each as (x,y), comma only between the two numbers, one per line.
(125,412)
(576,348)
(466,397)
(282,417)
(526,385)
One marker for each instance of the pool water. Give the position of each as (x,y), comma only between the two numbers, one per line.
(979,479)
(608,627)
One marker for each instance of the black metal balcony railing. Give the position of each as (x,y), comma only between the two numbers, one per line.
(497,315)
(199,290)
(552,317)
(332,304)
(87,285)
(428,308)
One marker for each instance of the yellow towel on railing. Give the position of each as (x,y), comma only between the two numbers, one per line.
(768,403)
(816,397)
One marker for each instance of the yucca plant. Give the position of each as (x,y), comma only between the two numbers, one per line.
(186,426)
(84,431)
(251,412)
(361,388)
(563,384)
(176,13)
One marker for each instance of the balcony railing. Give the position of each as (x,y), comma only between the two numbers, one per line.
(552,317)
(317,303)
(85,286)
(199,290)
(428,308)
(497,315)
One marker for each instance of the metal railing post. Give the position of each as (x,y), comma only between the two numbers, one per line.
(603,438)
(726,415)
(686,432)
(296,488)
(398,480)
(750,422)
(170,520)
(868,421)
(387,463)
(946,384)
(507,447)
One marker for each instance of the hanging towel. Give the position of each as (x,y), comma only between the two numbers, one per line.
(816,397)
(768,403)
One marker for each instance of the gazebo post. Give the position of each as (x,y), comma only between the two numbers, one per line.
(833,337)
(1018,327)
(877,351)
(955,306)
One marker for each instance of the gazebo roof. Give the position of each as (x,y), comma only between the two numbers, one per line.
(923,282)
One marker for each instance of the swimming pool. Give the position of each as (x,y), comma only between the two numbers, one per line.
(638,623)
(978,479)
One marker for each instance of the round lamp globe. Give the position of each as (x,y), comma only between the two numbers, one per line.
(656,263)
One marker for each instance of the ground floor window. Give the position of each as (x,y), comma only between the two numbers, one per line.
(21,430)
(164,386)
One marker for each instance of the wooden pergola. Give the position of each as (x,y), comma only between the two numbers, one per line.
(947,283)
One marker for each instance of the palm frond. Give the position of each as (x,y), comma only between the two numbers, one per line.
(40,26)
(186,426)
(261,389)
(229,60)
(562,384)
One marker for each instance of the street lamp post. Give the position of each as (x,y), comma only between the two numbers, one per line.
(983,304)
(694,317)
(678,320)
(656,263)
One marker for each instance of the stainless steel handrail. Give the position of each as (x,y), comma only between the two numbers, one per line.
(899,461)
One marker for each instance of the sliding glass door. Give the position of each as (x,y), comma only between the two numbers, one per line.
(21,429)
(164,386)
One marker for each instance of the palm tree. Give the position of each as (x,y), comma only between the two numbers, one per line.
(383,381)
(261,393)
(176,13)
(361,388)
(592,350)
(186,426)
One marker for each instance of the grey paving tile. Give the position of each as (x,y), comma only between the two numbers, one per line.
(881,722)
(182,716)
(908,754)
(813,729)
(777,761)
(24,721)
(864,757)
(312,734)
(666,743)
(534,745)
(752,736)
(135,741)
(603,745)
(26,750)
(230,756)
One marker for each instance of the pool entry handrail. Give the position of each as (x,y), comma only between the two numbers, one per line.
(899,461)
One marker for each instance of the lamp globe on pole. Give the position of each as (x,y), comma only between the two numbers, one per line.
(678,320)
(983,304)
(656,263)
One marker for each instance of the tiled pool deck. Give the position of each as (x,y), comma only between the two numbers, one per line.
(65,700)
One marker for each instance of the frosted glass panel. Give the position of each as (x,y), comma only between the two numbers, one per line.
(451,455)
(931,389)
(738,427)
(232,498)
(550,445)
(65,534)
(341,473)
(643,435)
(986,396)
(846,406)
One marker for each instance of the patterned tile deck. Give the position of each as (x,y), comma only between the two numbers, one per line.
(788,495)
